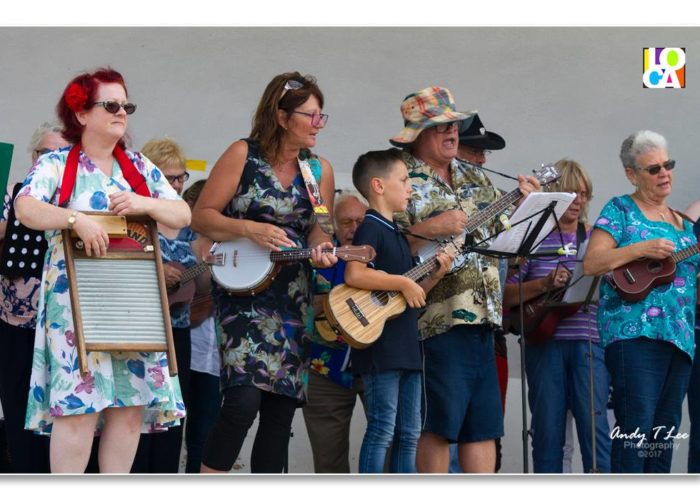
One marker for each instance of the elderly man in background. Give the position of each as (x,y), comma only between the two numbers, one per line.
(333,390)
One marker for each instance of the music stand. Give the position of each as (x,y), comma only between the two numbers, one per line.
(589,285)
(521,244)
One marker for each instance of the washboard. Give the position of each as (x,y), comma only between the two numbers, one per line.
(119,301)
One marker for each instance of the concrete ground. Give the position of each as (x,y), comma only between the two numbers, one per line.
(301,460)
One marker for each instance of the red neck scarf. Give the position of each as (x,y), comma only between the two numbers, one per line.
(131,174)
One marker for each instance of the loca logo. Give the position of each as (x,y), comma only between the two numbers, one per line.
(664,68)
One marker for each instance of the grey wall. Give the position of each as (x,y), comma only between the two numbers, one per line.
(551,92)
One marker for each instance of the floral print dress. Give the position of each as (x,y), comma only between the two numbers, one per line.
(264,337)
(116,379)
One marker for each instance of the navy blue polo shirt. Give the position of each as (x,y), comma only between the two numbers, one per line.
(397,347)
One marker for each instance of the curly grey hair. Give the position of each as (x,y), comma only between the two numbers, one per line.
(638,144)
(40,132)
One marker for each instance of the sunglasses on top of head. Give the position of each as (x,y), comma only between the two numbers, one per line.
(113,106)
(656,168)
(290,85)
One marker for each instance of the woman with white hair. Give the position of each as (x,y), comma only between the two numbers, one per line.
(46,138)
(649,343)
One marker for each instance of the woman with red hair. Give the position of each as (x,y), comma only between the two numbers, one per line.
(121,390)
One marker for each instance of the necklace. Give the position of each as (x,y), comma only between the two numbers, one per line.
(656,208)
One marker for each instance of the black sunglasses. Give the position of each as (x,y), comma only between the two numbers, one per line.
(655,169)
(40,152)
(113,107)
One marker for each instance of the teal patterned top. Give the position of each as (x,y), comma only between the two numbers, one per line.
(668,312)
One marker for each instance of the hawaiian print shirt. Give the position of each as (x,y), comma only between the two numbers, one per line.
(668,312)
(471,295)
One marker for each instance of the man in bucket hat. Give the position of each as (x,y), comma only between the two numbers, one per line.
(461,396)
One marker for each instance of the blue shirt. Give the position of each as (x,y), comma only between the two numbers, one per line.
(331,359)
(179,250)
(397,347)
(668,312)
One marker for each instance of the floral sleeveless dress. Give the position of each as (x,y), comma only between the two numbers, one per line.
(263,338)
(114,379)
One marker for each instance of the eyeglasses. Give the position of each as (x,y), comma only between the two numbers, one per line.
(583,195)
(655,169)
(178,178)
(291,85)
(443,128)
(113,107)
(317,119)
(348,222)
(477,152)
(40,152)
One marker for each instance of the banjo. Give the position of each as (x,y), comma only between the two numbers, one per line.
(245,268)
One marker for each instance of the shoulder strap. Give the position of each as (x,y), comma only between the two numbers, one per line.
(322,215)
(131,174)
(580,235)
(682,216)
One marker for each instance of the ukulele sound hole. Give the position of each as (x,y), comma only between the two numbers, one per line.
(654,267)
(380,298)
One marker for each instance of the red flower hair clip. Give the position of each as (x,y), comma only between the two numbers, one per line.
(75,97)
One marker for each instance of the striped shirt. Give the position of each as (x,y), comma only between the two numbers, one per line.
(578,325)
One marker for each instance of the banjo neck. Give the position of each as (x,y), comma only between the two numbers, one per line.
(295,254)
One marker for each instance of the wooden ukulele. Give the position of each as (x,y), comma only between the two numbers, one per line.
(184,290)
(541,317)
(634,280)
(358,316)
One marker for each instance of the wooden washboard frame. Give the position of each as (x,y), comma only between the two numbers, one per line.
(119,301)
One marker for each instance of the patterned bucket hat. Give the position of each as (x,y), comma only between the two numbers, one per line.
(424,109)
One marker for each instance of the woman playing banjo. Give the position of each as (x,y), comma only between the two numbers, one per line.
(257,190)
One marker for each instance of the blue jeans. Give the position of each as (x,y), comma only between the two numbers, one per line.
(558,376)
(393,419)
(649,380)
(694,410)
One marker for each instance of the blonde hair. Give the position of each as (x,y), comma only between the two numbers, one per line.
(164,152)
(572,175)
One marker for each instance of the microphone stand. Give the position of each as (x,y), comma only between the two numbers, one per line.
(585,308)
(529,241)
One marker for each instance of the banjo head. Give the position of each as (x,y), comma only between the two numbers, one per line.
(244,266)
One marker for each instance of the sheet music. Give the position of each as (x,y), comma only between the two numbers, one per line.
(510,240)
(578,291)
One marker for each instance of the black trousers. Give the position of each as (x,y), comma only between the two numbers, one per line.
(159,452)
(29,452)
(240,407)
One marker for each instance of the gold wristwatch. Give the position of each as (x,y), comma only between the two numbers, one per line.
(71,220)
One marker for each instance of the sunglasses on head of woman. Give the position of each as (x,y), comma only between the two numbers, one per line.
(291,85)
(113,106)
(656,168)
